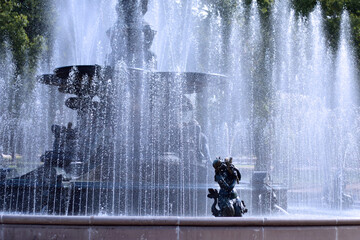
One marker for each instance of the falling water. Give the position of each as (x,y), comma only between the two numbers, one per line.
(81,31)
(289,107)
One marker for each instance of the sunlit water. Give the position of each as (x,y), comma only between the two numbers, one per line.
(289,101)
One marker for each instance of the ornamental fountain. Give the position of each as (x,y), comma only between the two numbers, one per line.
(83,172)
(139,132)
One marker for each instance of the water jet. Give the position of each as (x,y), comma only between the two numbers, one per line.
(131,141)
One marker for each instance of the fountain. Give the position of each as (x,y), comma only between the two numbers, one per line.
(79,177)
(136,141)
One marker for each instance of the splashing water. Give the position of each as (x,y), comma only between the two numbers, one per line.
(289,106)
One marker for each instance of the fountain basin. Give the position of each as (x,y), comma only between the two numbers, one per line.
(95,227)
(70,79)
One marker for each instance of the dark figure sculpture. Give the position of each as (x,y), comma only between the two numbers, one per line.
(226,175)
(64,146)
(195,141)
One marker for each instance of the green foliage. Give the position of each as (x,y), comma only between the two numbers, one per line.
(332,11)
(224,8)
(332,15)
(24,26)
(12,29)
(355,20)
(333,7)
(303,8)
(265,5)
(353,6)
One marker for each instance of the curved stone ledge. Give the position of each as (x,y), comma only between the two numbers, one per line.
(173,221)
(103,227)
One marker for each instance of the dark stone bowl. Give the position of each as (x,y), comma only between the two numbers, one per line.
(80,70)
(70,79)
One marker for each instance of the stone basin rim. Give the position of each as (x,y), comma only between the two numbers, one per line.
(14,219)
(98,66)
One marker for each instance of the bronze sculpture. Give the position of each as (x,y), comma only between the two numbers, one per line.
(226,175)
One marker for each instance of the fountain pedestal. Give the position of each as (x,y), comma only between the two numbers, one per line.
(78,175)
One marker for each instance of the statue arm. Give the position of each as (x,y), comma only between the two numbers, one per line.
(238,173)
(220,180)
(56,129)
(231,187)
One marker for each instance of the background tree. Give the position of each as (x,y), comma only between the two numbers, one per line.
(353,6)
(332,11)
(262,89)
(25,31)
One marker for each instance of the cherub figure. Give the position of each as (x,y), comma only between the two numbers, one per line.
(226,175)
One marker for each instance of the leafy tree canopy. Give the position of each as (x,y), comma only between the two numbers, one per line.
(24,25)
(24,29)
